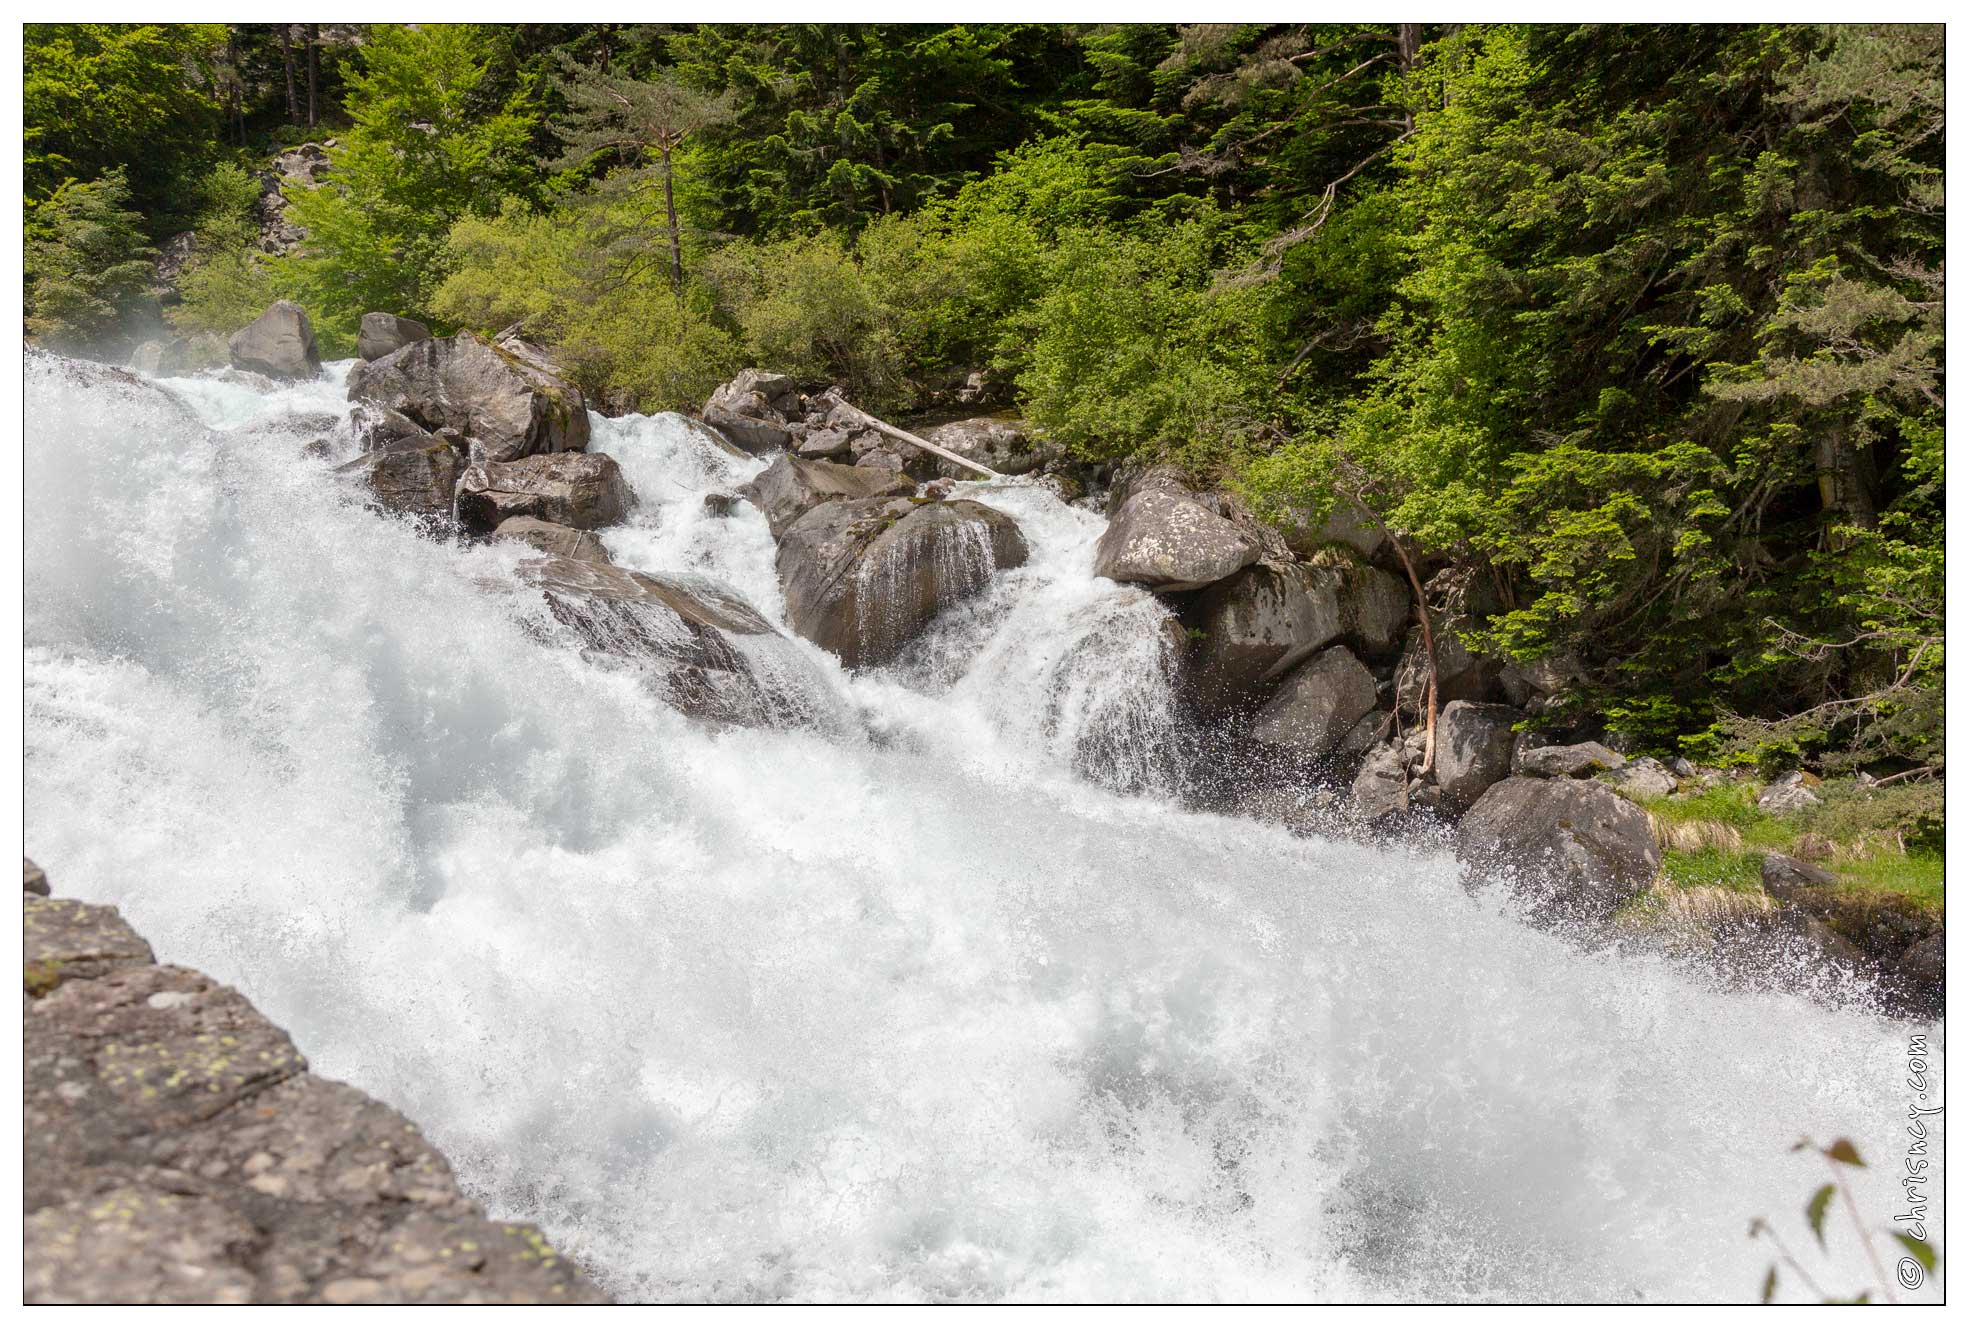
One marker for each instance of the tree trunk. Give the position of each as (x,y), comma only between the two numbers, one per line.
(676,232)
(1846,479)
(237,113)
(287,60)
(314,74)
(1430,706)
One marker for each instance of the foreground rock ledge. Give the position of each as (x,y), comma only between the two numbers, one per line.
(178,1151)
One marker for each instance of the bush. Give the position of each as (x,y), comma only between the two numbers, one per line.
(229,282)
(88,268)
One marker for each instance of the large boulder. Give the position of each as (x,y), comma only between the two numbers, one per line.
(863,578)
(1374,607)
(415,475)
(279,344)
(579,489)
(553,538)
(177,1150)
(1644,777)
(385,334)
(754,410)
(1317,705)
(1380,787)
(508,403)
(1568,759)
(182,356)
(1253,626)
(1473,749)
(1461,674)
(990,441)
(1169,540)
(791,488)
(1574,848)
(689,639)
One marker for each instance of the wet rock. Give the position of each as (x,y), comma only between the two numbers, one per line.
(385,334)
(579,489)
(686,638)
(416,475)
(553,538)
(1575,848)
(279,344)
(1473,749)
(1644,777)
(1252,627)
(864,577)
(1370,729)
(720,505)
(1317,704)
(791,487)
(1380,787)
(1921,972)
(1168,541)
(181,357)
(1577,760)
(502,399)
(754,410)
(1000,444)
(178,1150)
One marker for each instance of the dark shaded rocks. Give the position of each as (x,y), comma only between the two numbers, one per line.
(1570,759)
(1461,675)
(1575,848)
(1168,540)
(1921,975)
(720,505)
(1317,705)
(1374,609)
(505,400)
(1254,625)
(862,578)
(791,487)
(553,538)
(33,880)
(178,1151)
(416,474)
(1001,445)
(1380,787)
(279,344)
(685,638)
(754,410)
(579,489)
(384,334)
(1792,880)
(1473,749)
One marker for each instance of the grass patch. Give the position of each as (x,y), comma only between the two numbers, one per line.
(1713,867)
(1914,877)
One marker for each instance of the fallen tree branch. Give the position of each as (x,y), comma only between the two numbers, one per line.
(883,426)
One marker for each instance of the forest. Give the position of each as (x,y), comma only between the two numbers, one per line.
(1633,335)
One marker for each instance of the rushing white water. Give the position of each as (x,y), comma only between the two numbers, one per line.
(899,1006)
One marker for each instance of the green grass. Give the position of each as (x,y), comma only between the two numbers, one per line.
(1714,867)
(1915,877)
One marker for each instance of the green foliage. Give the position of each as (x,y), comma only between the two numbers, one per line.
(429,142)
(88,267)
(228,282)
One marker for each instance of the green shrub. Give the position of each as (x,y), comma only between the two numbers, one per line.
(88,267)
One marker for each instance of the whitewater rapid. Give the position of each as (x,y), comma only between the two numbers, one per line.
(938,997)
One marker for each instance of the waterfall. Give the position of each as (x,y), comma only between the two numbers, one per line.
(933,994)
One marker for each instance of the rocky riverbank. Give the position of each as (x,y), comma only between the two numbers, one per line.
(1305,668)
(177,1149)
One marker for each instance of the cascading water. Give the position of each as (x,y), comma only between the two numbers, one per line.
(897,1005)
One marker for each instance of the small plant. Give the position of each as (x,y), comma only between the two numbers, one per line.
(1839,1154)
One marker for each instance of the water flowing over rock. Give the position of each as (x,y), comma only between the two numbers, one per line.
(1473,749)
(385,334)
(508,403)
(579,489)
(862,578)
(279,344)
(179,1151)
(552,538)
(791,488)
(1253,626)
(1171,542)
(411,475)
(697,644)
(1317,704)
(1577,849)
